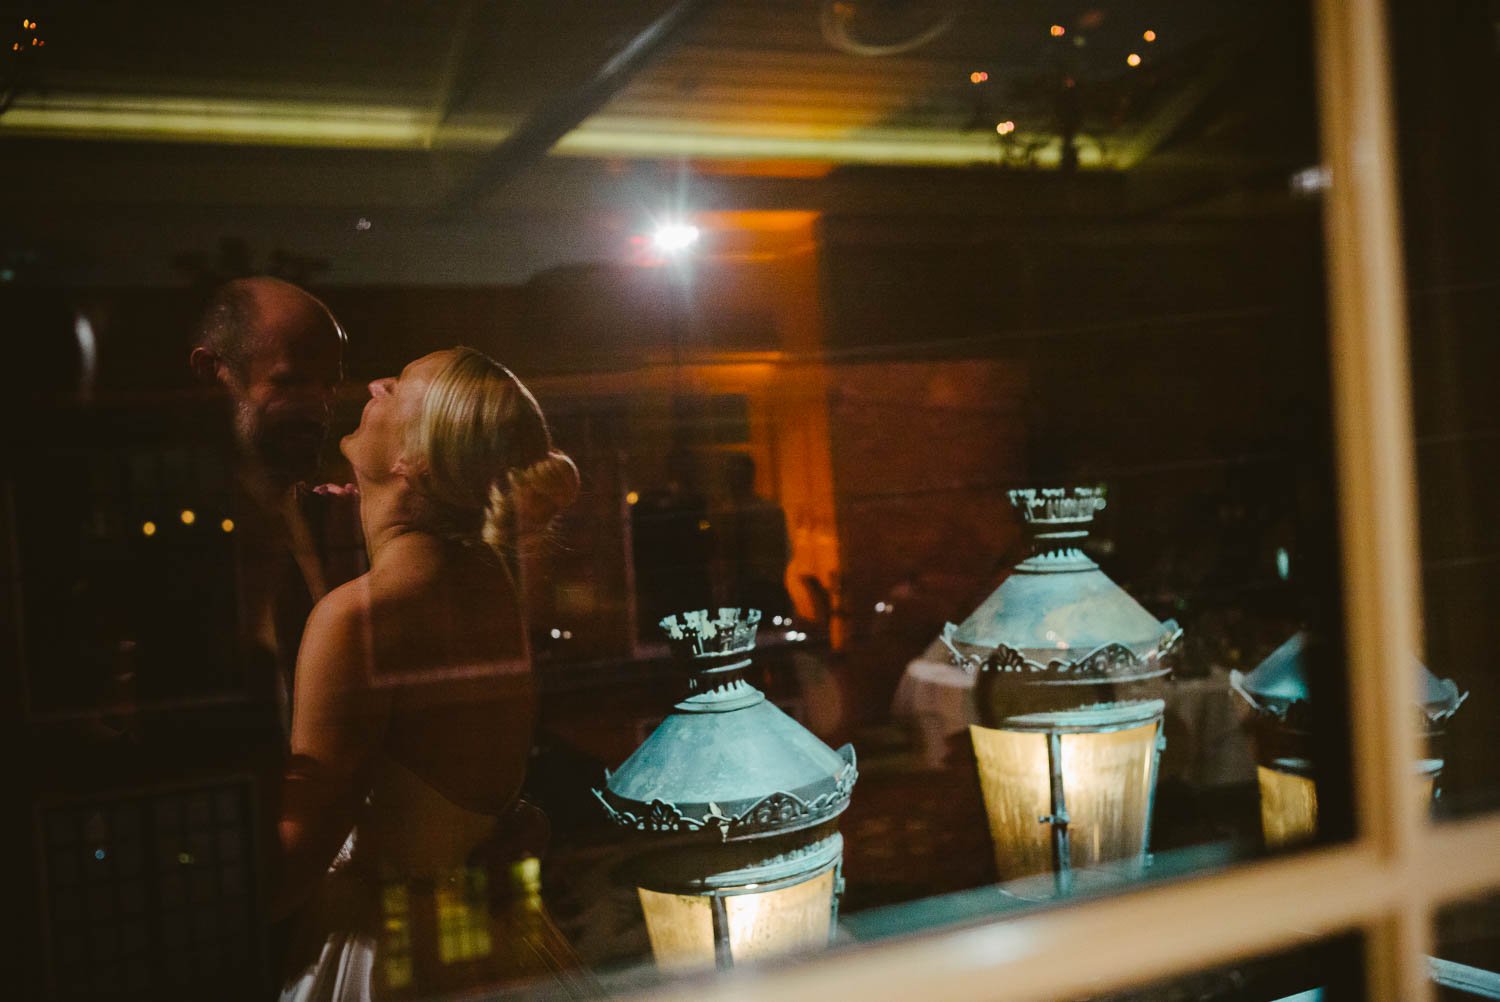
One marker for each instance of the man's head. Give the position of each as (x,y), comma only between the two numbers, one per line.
(277,353)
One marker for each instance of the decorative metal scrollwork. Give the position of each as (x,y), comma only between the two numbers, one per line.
(1101,662)
(774,811)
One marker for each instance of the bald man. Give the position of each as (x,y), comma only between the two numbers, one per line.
(274,353)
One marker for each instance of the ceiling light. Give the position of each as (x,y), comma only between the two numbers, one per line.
(674,238)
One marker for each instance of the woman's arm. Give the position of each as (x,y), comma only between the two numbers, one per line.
(338,721)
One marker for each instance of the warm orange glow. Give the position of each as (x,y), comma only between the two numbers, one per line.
(978,76)
(1150,35)
(188,517)
(632,498)
(770,167)
(703,525)
(1005,128)
(1133,59)
(227,525)
(148,528)
(1058,31)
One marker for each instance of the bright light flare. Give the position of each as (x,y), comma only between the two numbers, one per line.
(1058,31)
(1133,59)
(1005,128)
(1149,35)
(674,238)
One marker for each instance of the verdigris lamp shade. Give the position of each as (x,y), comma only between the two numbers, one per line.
(1278,693)
(1070,732)
(743,802)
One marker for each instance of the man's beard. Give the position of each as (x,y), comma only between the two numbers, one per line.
(287,446)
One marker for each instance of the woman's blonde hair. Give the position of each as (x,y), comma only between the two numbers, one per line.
(488,473)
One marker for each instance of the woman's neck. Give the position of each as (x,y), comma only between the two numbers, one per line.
(385,513)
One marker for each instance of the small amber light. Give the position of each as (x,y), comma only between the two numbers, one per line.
(632,498)
(188,516)
(148,528)
(1058,31)
(1150,35)
(227,525)
(1133,59)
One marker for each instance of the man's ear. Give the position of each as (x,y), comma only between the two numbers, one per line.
(205,363)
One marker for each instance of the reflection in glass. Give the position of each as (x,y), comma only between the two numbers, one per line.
(463,915)
(1069,747)
(744,801)
(1466,950)
(1278,693)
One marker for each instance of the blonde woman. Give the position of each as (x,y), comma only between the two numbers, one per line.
(413,699)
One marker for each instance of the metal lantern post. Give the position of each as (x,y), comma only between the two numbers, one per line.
(1278,693)
(1069,669)
(741,802)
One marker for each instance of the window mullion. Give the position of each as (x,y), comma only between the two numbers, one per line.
(1373,427)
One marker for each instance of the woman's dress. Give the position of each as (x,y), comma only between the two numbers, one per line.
(404,910)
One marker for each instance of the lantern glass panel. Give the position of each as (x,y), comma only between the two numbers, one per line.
(1106,781)
(1288,807)
(1289,799)
(761,923)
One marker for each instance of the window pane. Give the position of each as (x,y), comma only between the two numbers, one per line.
(1323,972)
(1446,63)
(1464,963)
(953,531)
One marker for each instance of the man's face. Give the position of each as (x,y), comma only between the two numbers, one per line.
(283,394)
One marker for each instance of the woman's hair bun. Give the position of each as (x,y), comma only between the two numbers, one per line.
(545,489)
(530,499)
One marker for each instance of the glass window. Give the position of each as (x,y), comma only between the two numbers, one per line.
(1448,146)
(1463,964)
(953,531)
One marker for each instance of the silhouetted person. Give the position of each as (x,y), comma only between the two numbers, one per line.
(672,544)
(751,545)
(275,355)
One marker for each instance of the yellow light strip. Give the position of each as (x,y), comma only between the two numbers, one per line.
(349,125)
(212,120)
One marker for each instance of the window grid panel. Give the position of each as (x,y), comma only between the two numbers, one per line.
(1152,934)
(1130,940)
(1387,882)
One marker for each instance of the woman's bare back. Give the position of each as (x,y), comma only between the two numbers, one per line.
(448,647)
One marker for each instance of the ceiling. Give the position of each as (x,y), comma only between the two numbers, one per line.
(191,117)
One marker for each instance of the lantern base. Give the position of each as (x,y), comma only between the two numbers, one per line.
(728,904)
(1070,789)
